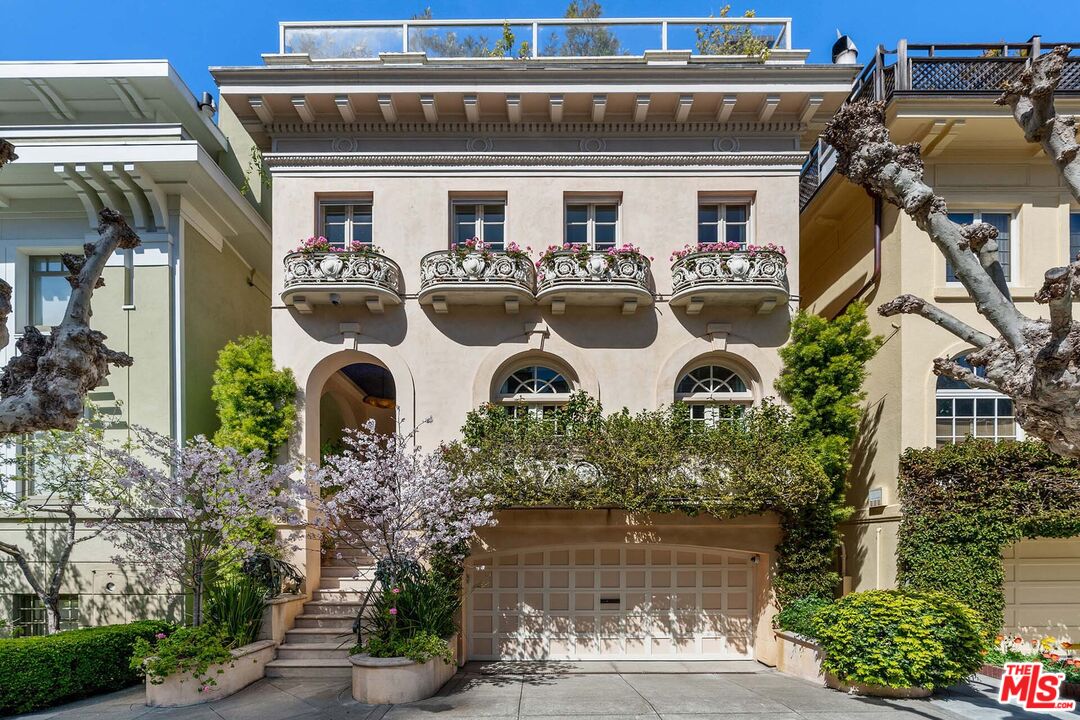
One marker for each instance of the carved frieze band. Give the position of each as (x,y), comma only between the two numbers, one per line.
(532,128)
(480,159)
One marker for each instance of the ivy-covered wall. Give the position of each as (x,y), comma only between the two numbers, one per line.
(963,504)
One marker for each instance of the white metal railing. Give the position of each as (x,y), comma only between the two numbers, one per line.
(530,38)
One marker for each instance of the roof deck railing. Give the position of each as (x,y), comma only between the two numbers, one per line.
(535,38)
(944,68)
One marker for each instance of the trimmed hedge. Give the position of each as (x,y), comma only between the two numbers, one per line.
(899,639)
(37,672)
(965,503)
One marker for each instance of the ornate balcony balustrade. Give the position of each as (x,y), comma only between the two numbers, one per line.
(594,277)
(739,277)
(341,278)
(457,277)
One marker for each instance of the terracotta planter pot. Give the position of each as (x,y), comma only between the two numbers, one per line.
(389,681)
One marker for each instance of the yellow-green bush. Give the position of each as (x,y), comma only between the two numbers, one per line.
(899,639)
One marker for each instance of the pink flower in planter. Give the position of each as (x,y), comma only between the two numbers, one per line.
(396,590)
(204,688)
(393,611)
(160,636)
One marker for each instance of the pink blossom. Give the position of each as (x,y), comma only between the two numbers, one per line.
(396,590)
(393,611)
(160,636)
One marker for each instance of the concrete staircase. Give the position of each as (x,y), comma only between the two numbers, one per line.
(319,643)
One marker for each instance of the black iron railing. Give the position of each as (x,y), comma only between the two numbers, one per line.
(950,69)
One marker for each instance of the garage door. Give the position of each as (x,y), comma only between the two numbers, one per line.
(1042,588)
(610,602)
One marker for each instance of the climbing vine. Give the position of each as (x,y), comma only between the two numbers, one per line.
(965,503)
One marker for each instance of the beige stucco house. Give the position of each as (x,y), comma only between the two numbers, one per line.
(394,137)
(128,135)
(976,157)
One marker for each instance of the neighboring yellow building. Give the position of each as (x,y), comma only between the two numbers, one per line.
(852,247)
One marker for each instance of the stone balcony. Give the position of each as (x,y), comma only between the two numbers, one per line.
(594,278)
(341,278)
(453,277)
(757,279)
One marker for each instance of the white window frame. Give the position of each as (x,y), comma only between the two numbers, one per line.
(973,394)
(590,223)
(1074,215)
(713,401)
(1014,242)
(721,204)
(349,204)
(30,295)
(538,405)
(478,208)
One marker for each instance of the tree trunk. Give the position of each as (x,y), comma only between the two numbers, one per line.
(52,614)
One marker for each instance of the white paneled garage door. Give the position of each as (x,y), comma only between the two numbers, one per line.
(627,602)
(1042,588)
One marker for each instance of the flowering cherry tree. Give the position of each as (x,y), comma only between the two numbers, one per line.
(181,499)
(396,502)
(59,476)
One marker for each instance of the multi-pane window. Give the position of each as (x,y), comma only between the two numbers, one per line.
(713,393)
(49,290)
(1074,236)
(723,222)
(595,225)
(1003,223)
(535,390)
(962,411)
(486,221)
(28,614)
(346,223)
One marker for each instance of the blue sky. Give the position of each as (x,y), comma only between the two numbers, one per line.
(200,33)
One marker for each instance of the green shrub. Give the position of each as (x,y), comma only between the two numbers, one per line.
(37,672)
(236,609)
(798,615)
(899,639)
(256,404)
(186,650)
(419,648)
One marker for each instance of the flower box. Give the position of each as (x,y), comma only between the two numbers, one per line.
(247,666)
(801,657)
(387,681)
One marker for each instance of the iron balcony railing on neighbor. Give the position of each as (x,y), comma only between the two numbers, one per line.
(530,38)
(947,69)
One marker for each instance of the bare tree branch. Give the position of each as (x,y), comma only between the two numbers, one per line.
(895,172)
(1057,293)
(912,305)
(44,387)
(1031,98)
(7,152)
(946,367)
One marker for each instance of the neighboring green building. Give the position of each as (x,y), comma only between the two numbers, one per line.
(128,135)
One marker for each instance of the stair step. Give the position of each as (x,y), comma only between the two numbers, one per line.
(347,571)
(338,622)
(308,636)
(331,607)
(315,651)
(349,584)
(310,668)
(339,594)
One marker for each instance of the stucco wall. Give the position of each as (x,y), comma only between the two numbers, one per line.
(837,230)
(219,306)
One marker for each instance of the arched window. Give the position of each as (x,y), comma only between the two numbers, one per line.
(535,389)
(962,411)
(713,393)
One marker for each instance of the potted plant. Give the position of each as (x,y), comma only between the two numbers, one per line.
(414,516)
(319,244)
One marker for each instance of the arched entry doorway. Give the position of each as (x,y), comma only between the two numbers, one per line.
(350,397)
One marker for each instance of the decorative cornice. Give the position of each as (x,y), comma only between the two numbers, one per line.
(534,128)
(791,159)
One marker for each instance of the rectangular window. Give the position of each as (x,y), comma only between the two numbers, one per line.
(485,221)
(1074,236)
(28,614)
(724,222)
(985,417)
(49,290)
(345,223)
(712,414)
(595,225)
(1003,223)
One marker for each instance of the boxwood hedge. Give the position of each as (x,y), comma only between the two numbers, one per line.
(36,672)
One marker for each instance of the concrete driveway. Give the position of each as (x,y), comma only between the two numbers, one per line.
(581,691)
